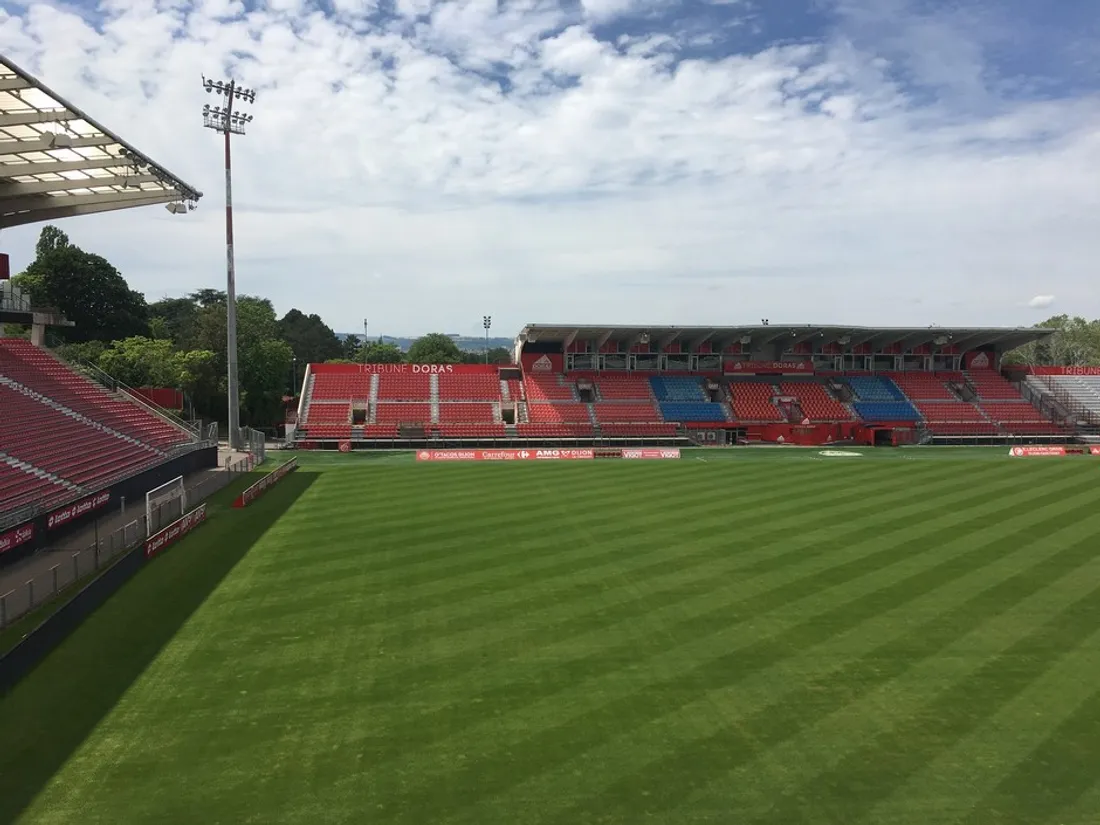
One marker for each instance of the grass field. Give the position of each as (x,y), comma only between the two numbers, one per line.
(901,638)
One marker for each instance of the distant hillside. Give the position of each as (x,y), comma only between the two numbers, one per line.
(465,344)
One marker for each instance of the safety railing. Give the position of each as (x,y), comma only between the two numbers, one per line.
(72,565)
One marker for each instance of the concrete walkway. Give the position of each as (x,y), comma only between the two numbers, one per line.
(60,554)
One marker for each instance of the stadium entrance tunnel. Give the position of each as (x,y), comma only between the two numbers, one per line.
(49,713)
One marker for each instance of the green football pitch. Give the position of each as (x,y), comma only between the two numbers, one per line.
(902,637)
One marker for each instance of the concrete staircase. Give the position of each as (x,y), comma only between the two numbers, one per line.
(38,472)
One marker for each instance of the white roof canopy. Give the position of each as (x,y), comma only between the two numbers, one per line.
(56,162)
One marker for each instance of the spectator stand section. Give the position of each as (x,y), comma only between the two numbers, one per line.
(64,437)
(1068,394)
(593,385)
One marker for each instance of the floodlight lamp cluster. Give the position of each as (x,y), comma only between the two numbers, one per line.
(487,321)
(224,119)
(133,163)
(230,89)
(181,207)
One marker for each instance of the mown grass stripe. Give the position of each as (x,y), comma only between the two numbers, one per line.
(735,720)
(873,771)
(794,553)
(484,661)
(557,737)
(997,770)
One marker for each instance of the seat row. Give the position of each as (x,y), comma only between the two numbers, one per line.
(41,372)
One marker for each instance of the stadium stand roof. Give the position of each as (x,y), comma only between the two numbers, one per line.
(56,162)
(965,338)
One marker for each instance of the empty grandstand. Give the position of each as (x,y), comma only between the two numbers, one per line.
(614,385)
(64,436)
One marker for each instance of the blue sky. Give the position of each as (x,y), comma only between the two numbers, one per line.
(617,161)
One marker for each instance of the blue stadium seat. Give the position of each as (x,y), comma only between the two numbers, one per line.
(874,388)
(886,411)
(679,388)
(685,411)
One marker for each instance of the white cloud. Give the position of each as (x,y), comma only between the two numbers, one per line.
(1041,301)
(600,182)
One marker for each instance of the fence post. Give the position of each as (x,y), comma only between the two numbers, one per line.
(53,573)
(76,566)
(30,593)
(4,610)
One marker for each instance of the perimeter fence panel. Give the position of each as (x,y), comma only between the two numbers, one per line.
(78,565)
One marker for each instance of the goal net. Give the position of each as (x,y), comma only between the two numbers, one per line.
(164,504)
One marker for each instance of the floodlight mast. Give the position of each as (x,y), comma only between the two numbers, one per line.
(228,122)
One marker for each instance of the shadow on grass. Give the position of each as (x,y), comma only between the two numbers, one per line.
(45,718)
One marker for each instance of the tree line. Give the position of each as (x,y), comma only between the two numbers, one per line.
(181,342)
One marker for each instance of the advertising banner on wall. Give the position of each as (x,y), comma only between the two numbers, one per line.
(980,360)
(645,453)
(77,509)
(175,531)
(1034,451)
(542,362)
(13,538)
(505,455)
(265,483)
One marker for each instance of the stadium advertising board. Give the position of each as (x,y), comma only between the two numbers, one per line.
(265,483)
(731,367)
(175,531)
(13,538)
(1032,452)
(980,360)
(1037,451)
(77,509)
(505,455)
(651,453)
(545,362)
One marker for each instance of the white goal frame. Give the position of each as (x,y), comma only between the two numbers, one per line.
(158,496)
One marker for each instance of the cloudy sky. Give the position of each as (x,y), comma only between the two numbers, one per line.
(425,163)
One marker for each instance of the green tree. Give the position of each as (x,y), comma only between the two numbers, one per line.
(30,284)
(87,352)
(379,353)
(50,239)
(176,320)
(143,362)
(199,378)
(351,350)
(263,359)
(434,348)
(87,289)
(311,340)
(208,297)
(1075,343)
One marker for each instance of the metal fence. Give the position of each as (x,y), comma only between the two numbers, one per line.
(70,565)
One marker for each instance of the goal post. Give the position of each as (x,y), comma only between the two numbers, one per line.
(164,504)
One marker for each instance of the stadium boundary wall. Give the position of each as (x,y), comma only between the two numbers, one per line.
(265,483)
(133,489)
(55,628)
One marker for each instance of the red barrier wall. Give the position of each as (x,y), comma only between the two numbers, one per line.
(265,483)
(175,531)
